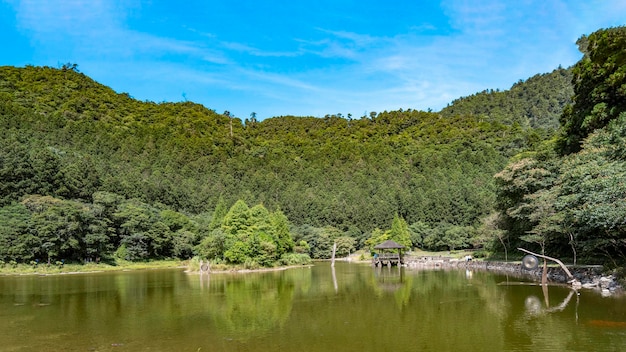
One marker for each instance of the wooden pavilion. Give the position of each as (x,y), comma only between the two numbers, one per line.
(388,253)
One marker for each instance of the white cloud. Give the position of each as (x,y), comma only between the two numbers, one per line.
(258,52)
(491,44)
(68,18)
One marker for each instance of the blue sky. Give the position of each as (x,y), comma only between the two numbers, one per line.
(304,58)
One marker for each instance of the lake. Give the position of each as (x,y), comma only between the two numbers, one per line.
(352,308)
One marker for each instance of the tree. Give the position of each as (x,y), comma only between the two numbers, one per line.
(516,185)
(458,237)
(17,241)
(599,81)
(592,193)
(345,246)
(400,232)
(284,240)
(59,225)
(377,237)
(212,246)
(98,239)
(491,231)
(230,122)
(418,231)
(218,213)
(237,219)
(16,172)
(139,233)
(134,246)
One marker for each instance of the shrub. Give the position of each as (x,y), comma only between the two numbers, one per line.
(194,264)
(250,264)
(121,252)
(295,259)
(481,253)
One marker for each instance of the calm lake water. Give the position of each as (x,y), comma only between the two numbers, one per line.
(352,308)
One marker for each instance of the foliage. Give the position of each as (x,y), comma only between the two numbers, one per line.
(536,102)
(66,136)
(249,236)
(400,232)
(418,231)
(573,204)
(599,86)
(89,173)
(295,259)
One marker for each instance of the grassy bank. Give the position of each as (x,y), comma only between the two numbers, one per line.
(70,268)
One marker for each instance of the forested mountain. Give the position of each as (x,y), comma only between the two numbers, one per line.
(70,138)
(536,102)
(86,172)
(569,197)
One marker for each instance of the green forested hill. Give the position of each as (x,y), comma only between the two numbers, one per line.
(95,151)
(80,137)
(537,102)
(569,197)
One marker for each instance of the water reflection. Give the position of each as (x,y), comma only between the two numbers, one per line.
(534,306)
(248,305)
(389,278)
(350,308)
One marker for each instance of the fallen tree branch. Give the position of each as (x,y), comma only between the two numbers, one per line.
(571,277)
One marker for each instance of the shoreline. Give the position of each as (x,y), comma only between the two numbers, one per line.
(247,271)
(90,268)
(27,270)
(591,276)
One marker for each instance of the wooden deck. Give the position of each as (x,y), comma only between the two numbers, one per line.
(388,259)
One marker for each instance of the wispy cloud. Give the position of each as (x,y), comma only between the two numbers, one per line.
(326,67)
(73,18)
(240,47)
(359,40)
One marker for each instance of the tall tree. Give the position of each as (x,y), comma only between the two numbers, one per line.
(599,86)
(400,232)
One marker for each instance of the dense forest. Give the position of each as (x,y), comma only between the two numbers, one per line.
(526,103)
(568,197)
(87,173)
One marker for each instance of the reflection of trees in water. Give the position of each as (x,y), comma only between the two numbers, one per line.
(251,304)
(455,307)
(443,305)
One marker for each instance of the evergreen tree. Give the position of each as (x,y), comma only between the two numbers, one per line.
(599,87)
(400,232)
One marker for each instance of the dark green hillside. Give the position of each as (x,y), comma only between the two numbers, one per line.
(77,137)
(537,102)
(117,171)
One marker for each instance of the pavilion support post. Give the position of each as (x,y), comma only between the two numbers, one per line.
(544,273)
(332,263)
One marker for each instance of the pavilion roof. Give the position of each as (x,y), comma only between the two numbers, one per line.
(389,244)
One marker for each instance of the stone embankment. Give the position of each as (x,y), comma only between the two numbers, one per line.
(590,277)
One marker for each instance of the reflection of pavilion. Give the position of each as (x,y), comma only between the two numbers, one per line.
(389,279)
(390,253)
